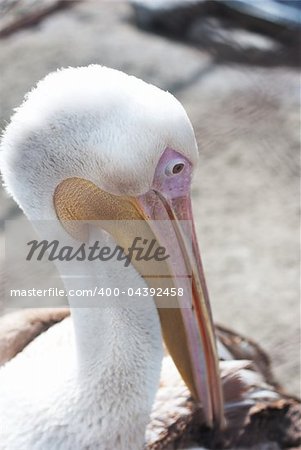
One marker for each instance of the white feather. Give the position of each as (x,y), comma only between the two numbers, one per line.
(89,382)
(91,122)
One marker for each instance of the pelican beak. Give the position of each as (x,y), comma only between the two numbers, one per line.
(186,319)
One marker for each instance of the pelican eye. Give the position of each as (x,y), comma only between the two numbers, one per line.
(174,168)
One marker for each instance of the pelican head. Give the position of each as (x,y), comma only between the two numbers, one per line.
(93,143)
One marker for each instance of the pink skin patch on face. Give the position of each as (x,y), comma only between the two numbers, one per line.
(172,175)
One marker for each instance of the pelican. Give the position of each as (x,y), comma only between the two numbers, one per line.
(93,143)
(87,146)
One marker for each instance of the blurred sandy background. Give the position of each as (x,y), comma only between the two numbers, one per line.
(246,189)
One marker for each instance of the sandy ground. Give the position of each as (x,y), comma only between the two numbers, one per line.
(246,189)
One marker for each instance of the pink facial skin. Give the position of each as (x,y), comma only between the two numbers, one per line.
(171,184)
(173,189)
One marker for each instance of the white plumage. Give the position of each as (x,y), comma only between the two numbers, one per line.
(89,382)
(91,122)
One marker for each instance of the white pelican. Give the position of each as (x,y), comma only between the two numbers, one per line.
(94,143)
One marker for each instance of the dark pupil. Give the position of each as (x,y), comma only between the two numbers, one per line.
(177,168)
